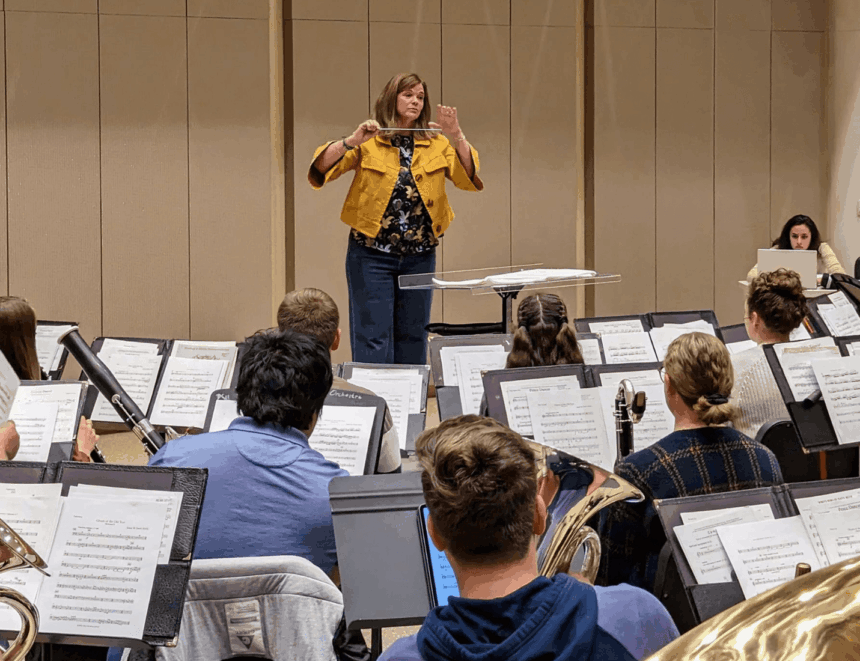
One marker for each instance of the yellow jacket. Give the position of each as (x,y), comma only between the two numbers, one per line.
(377,165)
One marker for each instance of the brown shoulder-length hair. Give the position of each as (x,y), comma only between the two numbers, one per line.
(18,337)
(543,336)
(312,312)
(385,110)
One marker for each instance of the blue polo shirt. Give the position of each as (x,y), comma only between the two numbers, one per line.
(267,492)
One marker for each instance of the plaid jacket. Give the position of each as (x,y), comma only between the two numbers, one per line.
(684,463)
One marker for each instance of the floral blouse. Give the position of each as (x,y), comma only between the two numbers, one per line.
(407,228)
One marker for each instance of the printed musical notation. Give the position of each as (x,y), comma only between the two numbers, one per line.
(401,390)
(839,381)
(183,396)
(448,358)
(515,397)
(135,365)
(342,435)
(796,361)
(65,396)
(628,348)
(35,422)
(469,368)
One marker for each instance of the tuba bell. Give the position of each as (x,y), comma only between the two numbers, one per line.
(15,553)
(593,489)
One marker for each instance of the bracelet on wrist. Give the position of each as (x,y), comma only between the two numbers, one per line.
(346,146)
(461,138)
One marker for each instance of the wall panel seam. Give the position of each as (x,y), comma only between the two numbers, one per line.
(6,149)
(101,195)
(188,160)
(714,161)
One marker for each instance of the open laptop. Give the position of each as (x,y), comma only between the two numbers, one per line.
(804,262)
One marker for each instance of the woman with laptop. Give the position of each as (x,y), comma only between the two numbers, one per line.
(800,233)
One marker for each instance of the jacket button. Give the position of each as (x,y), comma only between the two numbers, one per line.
(430,204)
(438,228)
(418,177)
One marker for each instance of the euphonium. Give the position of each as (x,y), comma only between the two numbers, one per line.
(598,489)
(15,553)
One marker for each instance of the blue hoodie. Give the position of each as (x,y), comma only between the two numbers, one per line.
(545,620)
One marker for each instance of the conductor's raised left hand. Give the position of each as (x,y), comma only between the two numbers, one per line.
(448,122)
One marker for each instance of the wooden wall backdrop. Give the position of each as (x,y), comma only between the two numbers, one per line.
(136,155)
(709,132)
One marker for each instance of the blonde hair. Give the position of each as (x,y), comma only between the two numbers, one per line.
(480,484)
(18,337)
(311,312)
(385,110)
(700,369)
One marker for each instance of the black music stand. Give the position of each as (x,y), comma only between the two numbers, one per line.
(593,373)
(217,399)
(57,374)
(337,397)
(583,325)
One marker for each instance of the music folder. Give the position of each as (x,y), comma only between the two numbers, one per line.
(221,411)
(168,590)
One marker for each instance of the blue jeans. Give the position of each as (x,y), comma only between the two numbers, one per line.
(386,323)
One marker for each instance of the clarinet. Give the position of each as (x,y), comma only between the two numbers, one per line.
(629,407)
(104,380)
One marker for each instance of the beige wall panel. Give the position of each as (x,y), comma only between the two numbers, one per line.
(476,12)
(144,176)
(53,154)
(799,14)
(741,163)
(480,236)
(685,169)
(330,10)
(543,144)
(845,14)
(743,14)
(798,162)
(624,120)
(685,13)
(228,96)
(397,11)
(620,13)
(229,8)
(64,6)
(545,12)
(330,100)
(143,7)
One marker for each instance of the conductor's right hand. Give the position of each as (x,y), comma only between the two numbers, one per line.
(9,441)
(364,132)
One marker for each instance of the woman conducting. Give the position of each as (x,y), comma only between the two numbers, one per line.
(775,306)
(700,456)
(18,345)
(398,209)
(800,233)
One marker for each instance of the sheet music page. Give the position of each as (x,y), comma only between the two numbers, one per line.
(738,347)
(840,300)
(9,384)
(208,351)
(48,352)
(764,554)
(65,395)
(839,381)
(639,378)
(839,529)
(853,348)
(590,348)
(514,395)
(172,500)
(183,396)
(102,567)
(702,547)
(761,512)
(628,348)
(448,358)
(402,393)
(799,333)
(811,506)
(795,359)
(663,336)
(469,368)
(35,423)
(572,421)
(137,374)
(841,320)
(225,412)
(31,510)
(111,346)
(415,382)
(617,326)
(656,423)
(342,435)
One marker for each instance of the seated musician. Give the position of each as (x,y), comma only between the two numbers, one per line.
(313,312)
(480,485)
(267,492)
(775,306)
(701,456)
(18,344)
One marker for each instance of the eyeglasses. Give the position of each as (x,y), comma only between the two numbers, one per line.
(662,372)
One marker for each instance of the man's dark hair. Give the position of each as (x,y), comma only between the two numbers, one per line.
(284,378)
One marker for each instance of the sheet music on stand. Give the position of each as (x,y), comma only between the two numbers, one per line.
(99,593)
(837,313)
(52,356)
(222,410)
(47,415)
(349,431)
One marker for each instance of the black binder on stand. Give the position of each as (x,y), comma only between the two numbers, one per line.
(225,398)
(416,420)
(734,333)
(659,319)
(448,394)
(601,375)
(168,590)
(711,599)
(494,378)
(337,397)
(57,374)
